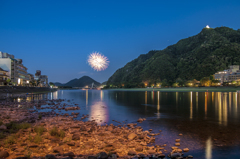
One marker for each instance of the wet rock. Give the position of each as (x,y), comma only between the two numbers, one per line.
(140,120)
(131,153)
(4,154)
(161,156)
(50,156)
(177,144)
(103,155)
(189,156)
(92,157)
(177,140)
(185,149)
(180,134)
(70,154)
(175,155)
(21,158)
(131,136)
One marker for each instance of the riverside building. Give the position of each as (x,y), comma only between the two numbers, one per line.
(229,75)
(16,71)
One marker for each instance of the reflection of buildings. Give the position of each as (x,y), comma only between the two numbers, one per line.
(206,99)
(54,95)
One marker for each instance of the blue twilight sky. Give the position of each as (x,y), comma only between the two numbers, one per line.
(56,37)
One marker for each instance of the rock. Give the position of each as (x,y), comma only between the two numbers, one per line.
(161,156)
(151,151)
(177,140)
(185,149)
(92,157)
(21,158)
(114,156)
(131,153)
(103,155)
(131,136)
(189,156)
(179,150)
(76,137)
(50,156)
(4,154)
(32,146)
(58,149)
(3,127)
(175,155)
(174,147)
(139,149)
(140,120)
(71,143)
(177,144)
(180,134)
(70,154)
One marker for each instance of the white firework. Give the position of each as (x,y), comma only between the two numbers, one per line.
(98,61)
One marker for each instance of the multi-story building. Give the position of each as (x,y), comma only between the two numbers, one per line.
(17,72)
(3,77)
(42,80)
(229,75)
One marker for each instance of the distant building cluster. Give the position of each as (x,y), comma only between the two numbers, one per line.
(229,75)
(12,71)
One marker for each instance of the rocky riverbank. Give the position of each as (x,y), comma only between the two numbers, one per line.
(29,133)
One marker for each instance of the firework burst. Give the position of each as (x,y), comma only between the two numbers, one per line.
(98,61)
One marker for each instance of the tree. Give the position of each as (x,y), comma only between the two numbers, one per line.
(8,81)
(205,81)
(165,83)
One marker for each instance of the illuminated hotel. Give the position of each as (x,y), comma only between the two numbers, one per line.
(229,75)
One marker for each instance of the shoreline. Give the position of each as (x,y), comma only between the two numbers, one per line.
(18,91)
(36,134)
(181,89)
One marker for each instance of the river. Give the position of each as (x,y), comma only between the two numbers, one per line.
(208,121)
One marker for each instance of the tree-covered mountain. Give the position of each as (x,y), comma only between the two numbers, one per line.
(81,82)
(195,57)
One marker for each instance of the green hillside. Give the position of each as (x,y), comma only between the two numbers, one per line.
(195,57)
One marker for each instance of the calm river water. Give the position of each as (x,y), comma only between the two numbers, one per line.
(209,121)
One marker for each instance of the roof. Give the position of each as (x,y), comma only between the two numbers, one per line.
(2,69)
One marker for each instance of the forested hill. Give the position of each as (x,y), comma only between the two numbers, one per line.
(195,57)
(81,82)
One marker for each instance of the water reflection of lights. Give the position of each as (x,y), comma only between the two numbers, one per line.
(102,95)
(219,105)
(177,100)
(225,111)
(145,97)
(54,95)
(208,150)
(235,104)
(197,100)
(158,106)
(230,101)
(86,98)
(191,105)
(152,96)
(99,112)
(206,99)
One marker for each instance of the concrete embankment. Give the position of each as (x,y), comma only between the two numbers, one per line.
(22,89)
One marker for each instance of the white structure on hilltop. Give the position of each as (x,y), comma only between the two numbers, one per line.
(16,71)
(229,75)
(207,26)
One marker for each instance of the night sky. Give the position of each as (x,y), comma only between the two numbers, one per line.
(57,37)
